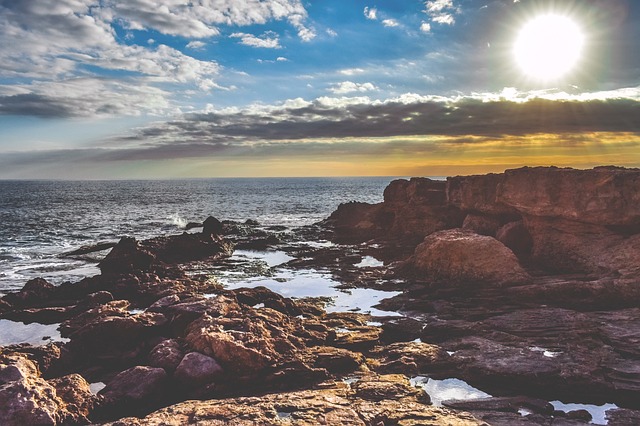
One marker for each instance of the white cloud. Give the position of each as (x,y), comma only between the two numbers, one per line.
(201,19)
(390,23)
(196,45)
(331,33)
(269,40)
(425,27)
(441,11)
(371,13)
(350,87)
(281,59)
(351,71)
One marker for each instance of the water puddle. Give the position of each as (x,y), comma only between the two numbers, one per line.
(312,283)
(13,332)
(448,389)
(271,258)
(369,262)
(96,387)
(545,352)
(598,412)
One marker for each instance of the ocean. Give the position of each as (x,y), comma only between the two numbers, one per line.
(41,220)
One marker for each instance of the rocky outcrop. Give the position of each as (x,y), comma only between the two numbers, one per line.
(28,399)
(370,400)
(557,220)
(130,255)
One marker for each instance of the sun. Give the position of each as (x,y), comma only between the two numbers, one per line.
(548,47)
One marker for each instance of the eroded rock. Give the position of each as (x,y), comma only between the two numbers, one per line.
(463,257)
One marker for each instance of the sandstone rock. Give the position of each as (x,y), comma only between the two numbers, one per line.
(333,405)
(166,354)
(28,402)
(335,360)
(607,196)
(463,257)
(197,369)
(479,194)
(416,191)
(16,368)
(515,236)
(410,358)
(78,401)
(482,225)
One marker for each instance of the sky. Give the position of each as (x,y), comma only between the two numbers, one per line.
(120,89)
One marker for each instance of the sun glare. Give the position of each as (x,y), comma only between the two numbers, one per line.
(548,47)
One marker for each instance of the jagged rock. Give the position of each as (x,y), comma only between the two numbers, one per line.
(623,417)
(335,360)
(35,292)
(166,354)
(15,368)
(410,358)
(126,256)
(196,369)
(130,255)
(135,385)
(401,329)
(76,395)
(463,257)
(334,405)
(28,402)
(212,226)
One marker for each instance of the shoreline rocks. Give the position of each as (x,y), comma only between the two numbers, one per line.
(503,283)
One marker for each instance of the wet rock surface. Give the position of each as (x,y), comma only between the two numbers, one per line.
(531,298)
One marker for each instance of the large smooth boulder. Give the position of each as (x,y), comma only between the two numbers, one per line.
(461,257)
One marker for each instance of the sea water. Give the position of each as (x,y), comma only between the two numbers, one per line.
(41,220)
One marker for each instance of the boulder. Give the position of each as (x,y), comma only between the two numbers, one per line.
(166,354)
(17,368)
(126,256)
(197,369)
(29,402)
(35,292)
(461,257)
(73,390)
(212,226)
(136,384)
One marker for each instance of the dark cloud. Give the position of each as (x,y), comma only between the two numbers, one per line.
(466,117)
(34,105)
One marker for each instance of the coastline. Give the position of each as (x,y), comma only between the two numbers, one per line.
(543,316)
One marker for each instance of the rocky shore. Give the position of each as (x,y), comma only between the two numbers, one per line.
(524,284)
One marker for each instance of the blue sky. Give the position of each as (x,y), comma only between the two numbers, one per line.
(95,89)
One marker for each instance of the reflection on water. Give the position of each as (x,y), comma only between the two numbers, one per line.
(448,389)
(598,412)
(304,283)
(369,262)
(13,332)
